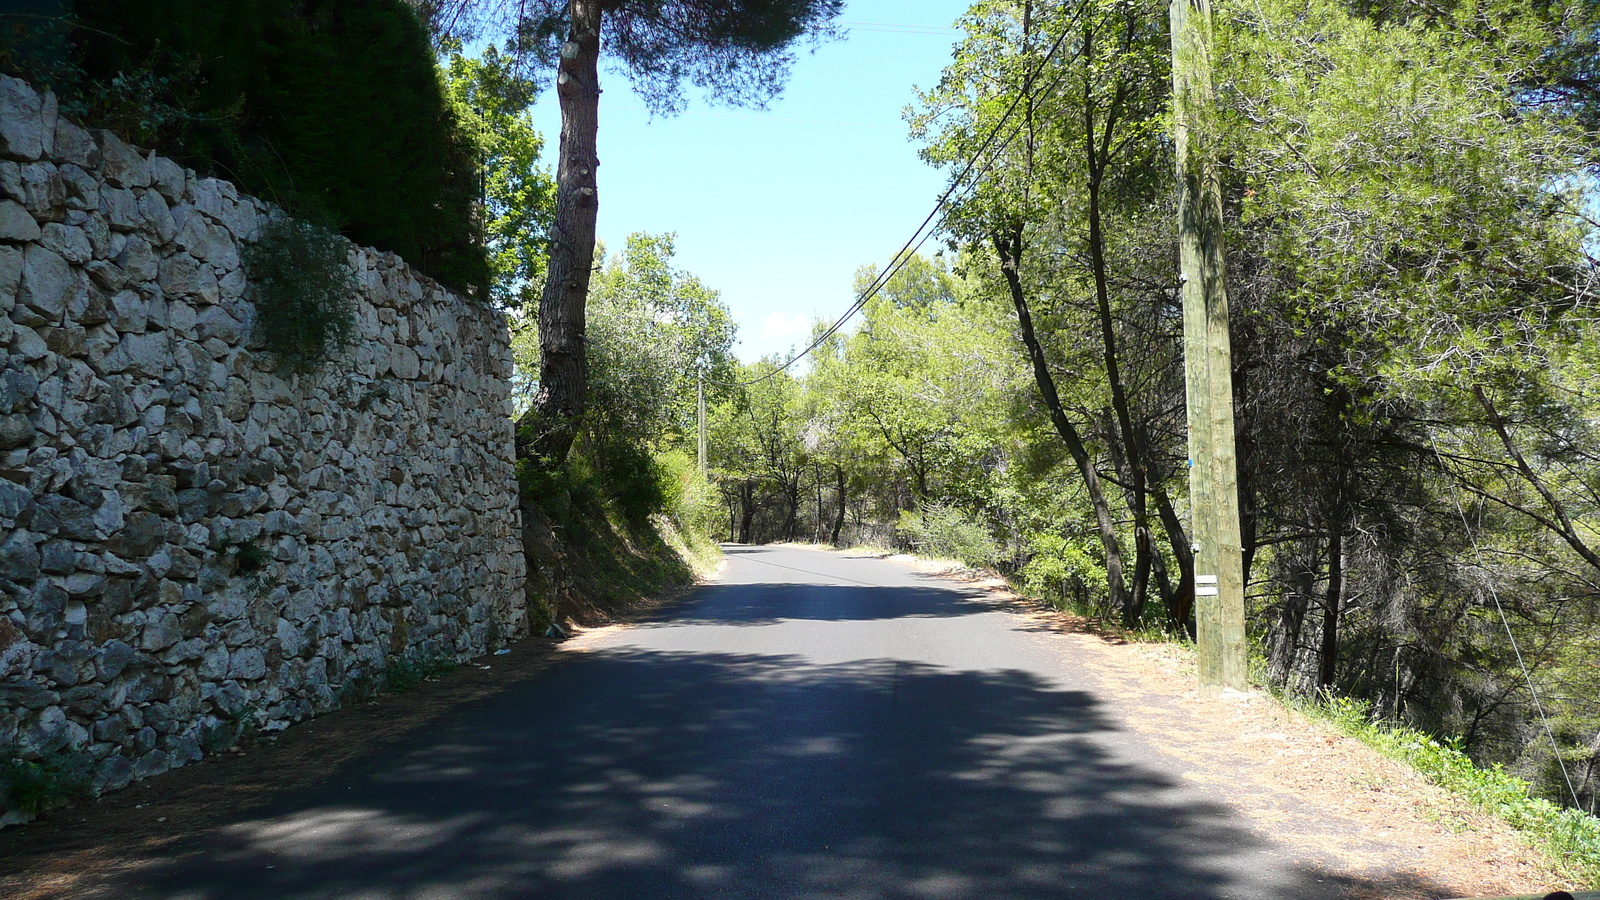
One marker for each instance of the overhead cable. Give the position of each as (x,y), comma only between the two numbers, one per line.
(918,237)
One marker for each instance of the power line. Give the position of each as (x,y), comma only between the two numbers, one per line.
(718,114)
(902,28)
(918,238)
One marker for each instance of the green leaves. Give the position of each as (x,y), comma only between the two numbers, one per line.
(1422,204)
(303,289)
(654,330)
(492,101)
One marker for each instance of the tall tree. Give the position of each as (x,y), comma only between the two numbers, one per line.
(738,51)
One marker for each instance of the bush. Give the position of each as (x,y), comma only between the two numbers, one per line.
(632,478)
(35,786)
(1065,571)
(304,291)
(947,532)
(692,502)
(334,111)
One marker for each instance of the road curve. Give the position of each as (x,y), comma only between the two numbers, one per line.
(812,725)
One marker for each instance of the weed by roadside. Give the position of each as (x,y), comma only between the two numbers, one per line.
(1569,837)
(403,673)
(36,785)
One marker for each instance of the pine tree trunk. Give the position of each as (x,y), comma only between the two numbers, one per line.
(548,430)
(838,520)
(1331,601)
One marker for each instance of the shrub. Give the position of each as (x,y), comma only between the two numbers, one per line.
(633,480)
(304,290)
(1066,571)
(692,502)
(334,111)
(34,786)
(946,531)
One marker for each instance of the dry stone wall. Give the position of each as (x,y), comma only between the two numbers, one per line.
(191,541)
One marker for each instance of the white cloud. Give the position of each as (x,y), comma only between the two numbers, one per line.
(780,326)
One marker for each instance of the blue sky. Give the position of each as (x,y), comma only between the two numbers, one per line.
(776,209)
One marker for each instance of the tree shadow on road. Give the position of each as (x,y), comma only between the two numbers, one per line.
(660,774)
(764,604)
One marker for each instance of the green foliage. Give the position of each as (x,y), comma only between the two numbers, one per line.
(1569,837)
(333,110)
(404,672)
(1069,572)
(690,501)
(139,103)
(653,329)
(493,104)
(631,478)
(616,477)
(305,291)
(249,557)
(948,532)
(735,50)
(35,786)
(1419,201)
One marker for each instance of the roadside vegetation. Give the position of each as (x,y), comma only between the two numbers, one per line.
(1407,193)
(628,512)
(1409,196)
(1569,838)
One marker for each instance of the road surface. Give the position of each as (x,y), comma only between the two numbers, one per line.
(813,725)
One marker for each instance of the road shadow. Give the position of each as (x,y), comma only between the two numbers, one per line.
(765,604)
(653,774)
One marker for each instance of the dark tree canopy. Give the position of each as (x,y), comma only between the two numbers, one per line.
(736,51)
(333,109)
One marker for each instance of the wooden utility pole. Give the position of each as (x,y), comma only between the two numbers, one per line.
(700,395)
(1208,356)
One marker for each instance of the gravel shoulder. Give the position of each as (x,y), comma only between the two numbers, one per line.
(1371,820)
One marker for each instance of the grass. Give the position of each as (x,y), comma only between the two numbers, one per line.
(1570,838)
(699,550)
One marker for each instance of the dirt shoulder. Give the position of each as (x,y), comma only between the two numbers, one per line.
(1297,780)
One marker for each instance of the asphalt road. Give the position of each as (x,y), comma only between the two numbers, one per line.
(811,726)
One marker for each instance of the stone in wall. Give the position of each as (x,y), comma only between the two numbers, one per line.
(192,541)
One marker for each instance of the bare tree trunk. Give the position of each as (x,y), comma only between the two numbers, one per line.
(1179,598)
(816,481)
(548,429)
(1331,602)
(1009,247)
(1097,151)
(838,520)
(1283,645)
(747,510)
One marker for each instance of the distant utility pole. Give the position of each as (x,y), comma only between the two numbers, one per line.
(1207,355)
(700,392)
